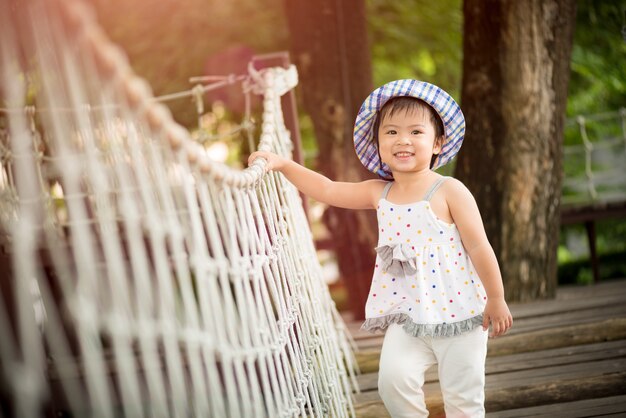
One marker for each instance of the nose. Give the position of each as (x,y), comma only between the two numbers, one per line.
(403,139)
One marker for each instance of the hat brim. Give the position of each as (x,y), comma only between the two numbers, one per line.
(445,106)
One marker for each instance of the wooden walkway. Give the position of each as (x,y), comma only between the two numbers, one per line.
(563,358)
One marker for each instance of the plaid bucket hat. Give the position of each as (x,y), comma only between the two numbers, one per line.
(445,106)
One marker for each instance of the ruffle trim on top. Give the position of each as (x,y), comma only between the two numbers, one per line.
(421,330)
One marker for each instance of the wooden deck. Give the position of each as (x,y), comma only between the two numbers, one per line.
(563,358)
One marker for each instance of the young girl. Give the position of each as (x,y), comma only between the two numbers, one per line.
(436,286)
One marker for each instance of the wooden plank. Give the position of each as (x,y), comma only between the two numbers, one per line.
(545,393)
(576,409)
(371,409)
(539,376)
(555,306)
(547,375)
(365,398)
(609,330)
(557,356)
(527,361)
(594,210)
(534,324)
(567,336)
(606,288)
(597,313)
(608,384)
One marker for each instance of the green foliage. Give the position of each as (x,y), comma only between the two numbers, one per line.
(611,266)
(598,69)
(611,233)
(610,246)
(417,39)
(307,138)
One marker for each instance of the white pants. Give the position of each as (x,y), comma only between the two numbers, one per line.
(461,359)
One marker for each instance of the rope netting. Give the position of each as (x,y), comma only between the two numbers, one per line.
(137,276)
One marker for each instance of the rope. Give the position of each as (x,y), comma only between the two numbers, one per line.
(193,92)
(146,279)
(600,157)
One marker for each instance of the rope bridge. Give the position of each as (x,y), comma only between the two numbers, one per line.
(137,276)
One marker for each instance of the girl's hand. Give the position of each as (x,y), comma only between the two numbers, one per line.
(497,313)
(274,162)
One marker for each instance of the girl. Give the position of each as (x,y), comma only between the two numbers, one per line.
(436,286)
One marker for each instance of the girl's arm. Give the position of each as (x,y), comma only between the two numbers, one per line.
(466,216)
(363,195)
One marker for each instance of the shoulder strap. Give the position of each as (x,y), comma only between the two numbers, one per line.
(386,190)
(434,187)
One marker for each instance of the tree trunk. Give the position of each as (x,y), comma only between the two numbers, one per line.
(515,79)
(329,45)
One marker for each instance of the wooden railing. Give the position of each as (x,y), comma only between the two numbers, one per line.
(594,184)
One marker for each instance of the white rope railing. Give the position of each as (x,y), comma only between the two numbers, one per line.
(140,278)
(600,159)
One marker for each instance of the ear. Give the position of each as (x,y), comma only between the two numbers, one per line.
(438,145)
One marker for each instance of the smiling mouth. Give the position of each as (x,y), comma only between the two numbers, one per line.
(403,154)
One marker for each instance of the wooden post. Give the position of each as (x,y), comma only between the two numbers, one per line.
(329,44)
(590,226)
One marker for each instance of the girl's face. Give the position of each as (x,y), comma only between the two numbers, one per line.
(407,141)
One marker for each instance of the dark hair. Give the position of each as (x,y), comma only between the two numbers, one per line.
(409,104)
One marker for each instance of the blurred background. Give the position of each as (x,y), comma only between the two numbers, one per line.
(170,41)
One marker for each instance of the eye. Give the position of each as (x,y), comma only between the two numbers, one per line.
(391,132)
(416,132)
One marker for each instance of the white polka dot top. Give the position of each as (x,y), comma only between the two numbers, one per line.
(423,277)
